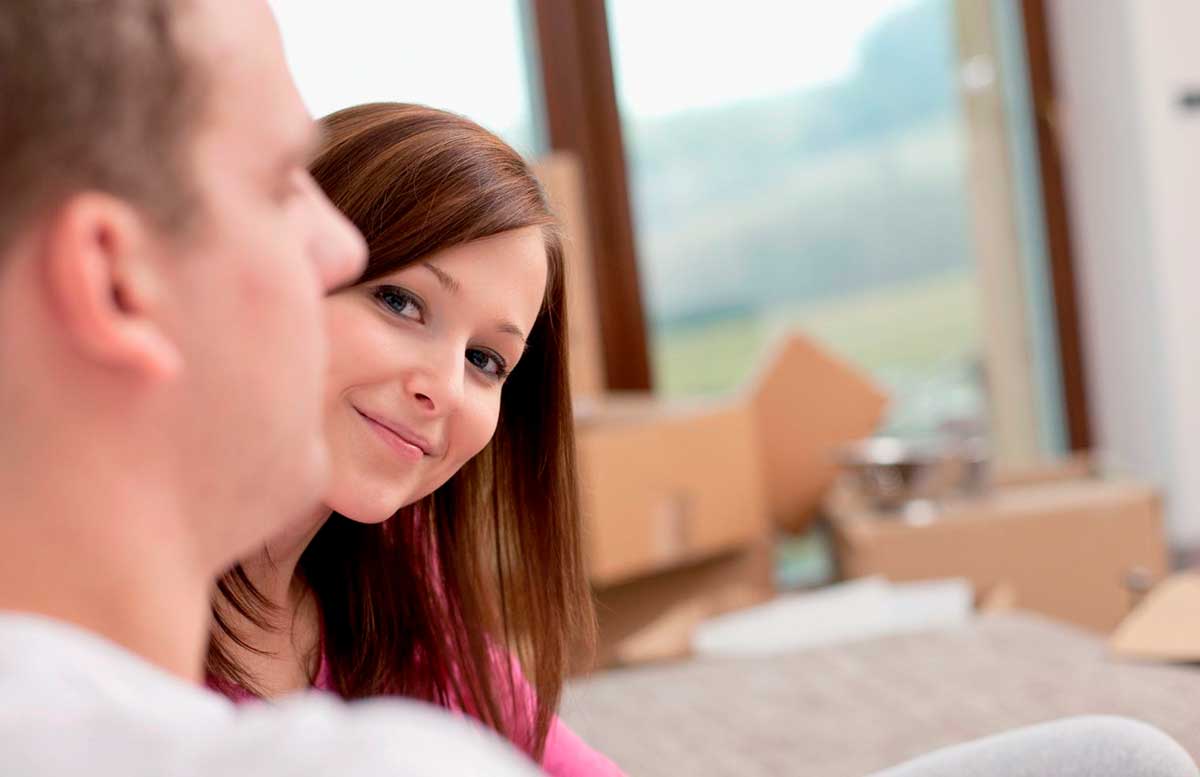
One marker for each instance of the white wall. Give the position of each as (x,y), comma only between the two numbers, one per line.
(1132,159)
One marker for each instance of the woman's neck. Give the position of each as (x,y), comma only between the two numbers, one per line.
(289,647)
(273,569)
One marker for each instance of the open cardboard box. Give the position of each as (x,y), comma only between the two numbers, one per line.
(806,404)
(674,482)
(681,499)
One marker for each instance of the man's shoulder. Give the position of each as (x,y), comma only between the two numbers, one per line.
(72,699)
(48,667)
(74,702)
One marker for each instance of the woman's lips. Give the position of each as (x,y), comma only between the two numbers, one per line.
(406,449)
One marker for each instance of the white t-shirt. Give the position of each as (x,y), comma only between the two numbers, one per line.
(72,703)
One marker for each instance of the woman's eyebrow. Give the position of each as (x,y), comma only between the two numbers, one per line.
(448,283)
(511,329)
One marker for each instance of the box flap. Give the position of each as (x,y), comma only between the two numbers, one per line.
(1165,625)
(807,403)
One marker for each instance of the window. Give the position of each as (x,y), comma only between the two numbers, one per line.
(805,165)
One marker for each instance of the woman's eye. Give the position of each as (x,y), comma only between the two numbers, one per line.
(487,363)
(399,302)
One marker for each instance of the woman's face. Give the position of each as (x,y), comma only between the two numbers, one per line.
(418,363)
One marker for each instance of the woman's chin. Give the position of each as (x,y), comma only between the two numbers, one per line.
(365,511)
(368,518)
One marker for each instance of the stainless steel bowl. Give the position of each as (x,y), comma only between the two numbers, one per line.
(891,474)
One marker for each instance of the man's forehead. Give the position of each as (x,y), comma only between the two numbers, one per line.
(238,44)
(219,29)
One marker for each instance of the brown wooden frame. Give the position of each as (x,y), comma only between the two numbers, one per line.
(1058,227)
(582,117)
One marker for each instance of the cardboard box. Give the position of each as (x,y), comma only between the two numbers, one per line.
(807,403)
(562,177)
(665,484)
(1165,626)
(1066,549)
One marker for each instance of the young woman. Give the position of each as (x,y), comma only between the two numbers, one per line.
(445,564)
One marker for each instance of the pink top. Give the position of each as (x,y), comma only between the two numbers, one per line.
(565,755)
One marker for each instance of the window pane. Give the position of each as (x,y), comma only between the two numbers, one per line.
(467,56)
(803,164)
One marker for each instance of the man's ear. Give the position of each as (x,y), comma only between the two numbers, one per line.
(104,287)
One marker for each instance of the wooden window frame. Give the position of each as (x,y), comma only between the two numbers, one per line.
(1058,227)
(580,102)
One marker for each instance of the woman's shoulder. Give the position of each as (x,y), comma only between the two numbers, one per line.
(567,755)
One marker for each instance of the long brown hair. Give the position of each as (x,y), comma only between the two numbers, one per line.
(432,602)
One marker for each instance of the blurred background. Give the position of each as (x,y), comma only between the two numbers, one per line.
(979,211)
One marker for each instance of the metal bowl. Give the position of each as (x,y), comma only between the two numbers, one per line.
(891,474)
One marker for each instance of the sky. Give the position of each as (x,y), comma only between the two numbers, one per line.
(675,55)
(469,55)
(461,55)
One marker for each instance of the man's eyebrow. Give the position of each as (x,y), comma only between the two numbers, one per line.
(448,283)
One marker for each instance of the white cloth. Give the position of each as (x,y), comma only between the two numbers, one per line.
(73,703)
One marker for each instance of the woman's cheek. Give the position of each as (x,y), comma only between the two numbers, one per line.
(361,346)
(481,428)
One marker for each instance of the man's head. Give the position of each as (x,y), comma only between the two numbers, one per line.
(163,255)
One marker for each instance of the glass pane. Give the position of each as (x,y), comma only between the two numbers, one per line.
(468,56)
(803,165)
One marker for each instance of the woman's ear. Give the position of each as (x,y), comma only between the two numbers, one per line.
(103,286)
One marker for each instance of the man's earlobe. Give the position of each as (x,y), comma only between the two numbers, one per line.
(104,289)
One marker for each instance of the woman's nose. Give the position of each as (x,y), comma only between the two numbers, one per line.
(437,385)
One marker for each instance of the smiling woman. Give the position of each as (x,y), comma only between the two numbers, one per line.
(446,563)
(423,353)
